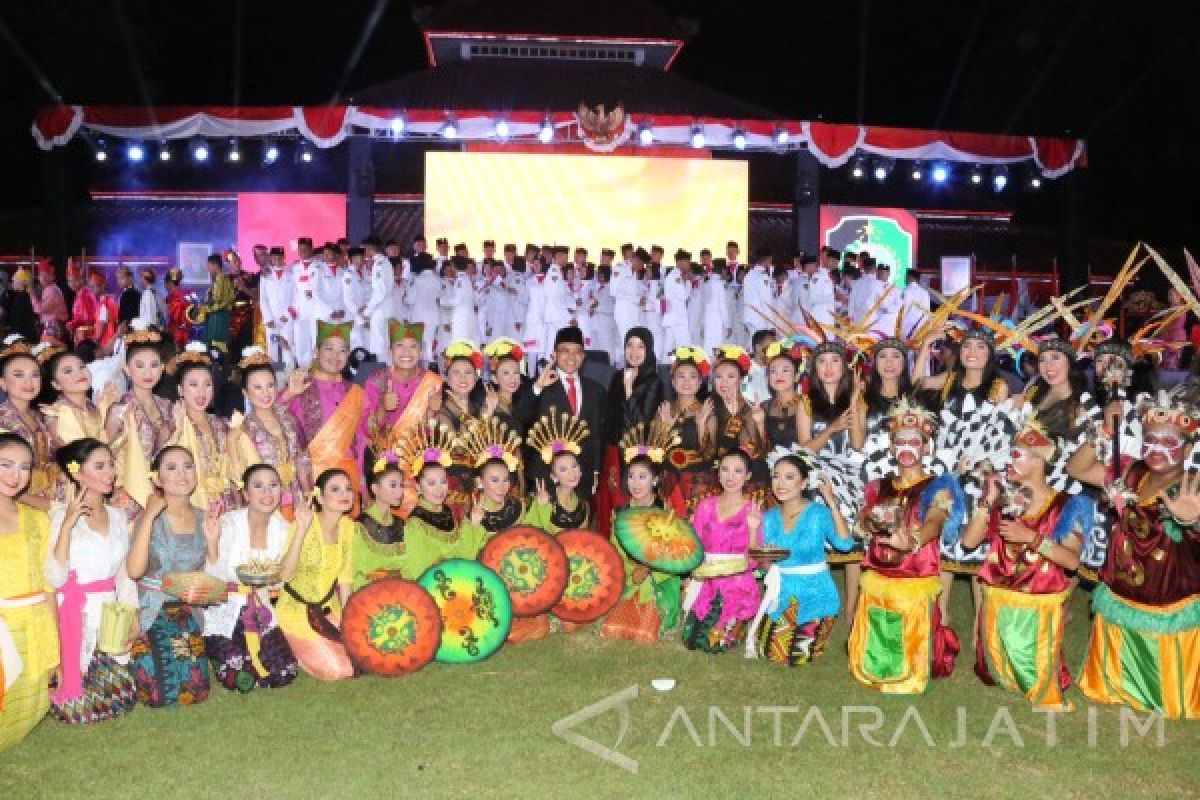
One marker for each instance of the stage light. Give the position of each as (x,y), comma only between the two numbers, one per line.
(698,137)
(270,153)
(977,176)
(135,152)
(858,169)
(1035,182)
(235,154)
(200,150)
(940,174)
(739,139)
(883,168)
(306,154)
(999,178)
(450,130)
(917,173)
(546,134)
(646,135)
(781,136)
(101,151)
(397,126)
(164,152)
(502,128)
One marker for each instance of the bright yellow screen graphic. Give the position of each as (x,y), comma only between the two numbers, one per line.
(584,200)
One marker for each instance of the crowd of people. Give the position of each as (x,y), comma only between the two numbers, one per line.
(348,427)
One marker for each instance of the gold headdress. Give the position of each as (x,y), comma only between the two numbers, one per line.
(491,439)
(421,445)
(141,333)
(652,441)
(552,435)
(15,344)
(44,351)
(194,353)
(907,415)
(254,356)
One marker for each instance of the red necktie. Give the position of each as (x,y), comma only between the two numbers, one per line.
(572,395)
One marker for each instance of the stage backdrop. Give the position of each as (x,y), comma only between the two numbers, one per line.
(593,201)
(889,235)
(272,218)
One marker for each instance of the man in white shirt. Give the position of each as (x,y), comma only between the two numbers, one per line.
(535,282)
(758,295)
(821,299)
(356,291)
(889,306)
(677,287)
(497,299)
(422,297)
(378,308)
(626,290)
(306,306)
(700,271)
(274,298)
(916,303)
(715,325)
(557,307)
(600,304)
(458,300)
(149,305)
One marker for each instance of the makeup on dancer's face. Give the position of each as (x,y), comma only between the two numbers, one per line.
(639,480)
(338,494)
(889,363)
(566,471)
(686,380)
(144,369)
(908,447)
(1162,449)
(197,389)
(495,481)
(974,353)
(635,352)
(406,353)
(262,389)
(71,374)
(727,379)
(333,355)
(98,472)
(1020,463)
(16,469)
(1053,367)
(781,374)
(388,489)
(263,491)
(830,367)
(508,376)
(732,473)
(433,484)
(462,376)
(786,481)
(22,378)
(177,474)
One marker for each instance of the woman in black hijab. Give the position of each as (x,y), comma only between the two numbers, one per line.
(634,396)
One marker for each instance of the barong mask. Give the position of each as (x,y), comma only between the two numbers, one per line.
(1169,427)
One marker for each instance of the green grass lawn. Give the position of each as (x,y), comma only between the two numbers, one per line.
(484,731)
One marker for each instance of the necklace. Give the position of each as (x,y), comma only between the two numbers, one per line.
(283,453)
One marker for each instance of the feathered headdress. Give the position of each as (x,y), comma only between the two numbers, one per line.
(421,445)
(793,347)
(687,354)
(491,439)
(553,435)
(465,349)
(1169,410)
(1003,334)
(652,441)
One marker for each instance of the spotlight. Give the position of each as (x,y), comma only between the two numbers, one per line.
(781,136)
(698,137)
(882,170)
(917,172)
(940,174)
(739,139)
(977,176)
(235,153)
(200,150)
(135,152)
(1035,182)
(646,135)
(164,152)
(858,169)
(306,154)
(546,134)
(397,126)
(502,129)
(270,153)
(450,130)
(101,152)
(999,178)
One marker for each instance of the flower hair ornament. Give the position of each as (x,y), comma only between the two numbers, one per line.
(795,347)
(15,344)
(422,445)
(73,468)
(553,435)
(464,348)
(194,353)
(502,348)
(650,441)
(492,440)
(254,356)
(734,355)
(687,354)
(142,333)
(386,459)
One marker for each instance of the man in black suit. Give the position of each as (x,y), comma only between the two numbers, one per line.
(561,389)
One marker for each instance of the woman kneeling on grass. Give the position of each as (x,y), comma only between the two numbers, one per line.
(800,602)
(243,639)
(318,573)
(172,536)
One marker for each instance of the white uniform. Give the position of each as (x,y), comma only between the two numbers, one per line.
(535,331)
(380,286)
(652,317)
(604,330)
(496,301)
(518,282)
(734,331)
(556,313)
(578,291)
(862,293)
(458,299)
(307,306)
(916,307)
(676,329)
(716,312)
(626,292)
(149,308)
(402,280)
(274,297)
(889,308)
(696,307)
(422,296)
(356,290)
(820,298)
(758,294)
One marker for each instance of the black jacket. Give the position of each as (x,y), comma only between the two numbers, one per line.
(528,408)
(641,406)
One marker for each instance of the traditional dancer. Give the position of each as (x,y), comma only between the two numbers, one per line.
(379,549)
(141,423)
(557,503)
(689,474)
(71,414)
(494,451)
(204,435)
(21,379)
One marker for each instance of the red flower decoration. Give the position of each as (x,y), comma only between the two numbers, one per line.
(704,369)
(678,459)
(744,362)
(477,360)
(518,353)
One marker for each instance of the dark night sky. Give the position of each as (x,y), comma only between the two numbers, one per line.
(1123,75)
